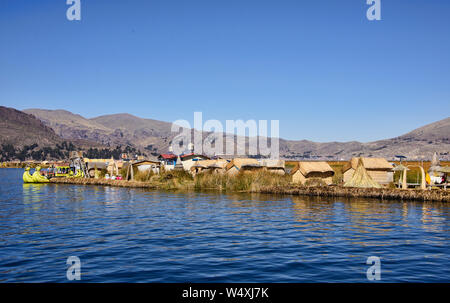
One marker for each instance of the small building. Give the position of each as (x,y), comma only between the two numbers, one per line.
(93,166)
(168,161)
(147,165)
(198,168)
(188,160)
(218,167)
(361,178)
(379,169)
(274,166)
(212,166)
(243,165)
(306,170)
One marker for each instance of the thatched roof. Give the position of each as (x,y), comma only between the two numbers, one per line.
(146,162)
(192,156)
(273,163)
(220,163)
(98,165)
(361,178)
(210,164)
(198,165)
(243,162)
(369,163)
(307,167)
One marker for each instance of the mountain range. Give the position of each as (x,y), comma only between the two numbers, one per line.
(153,137)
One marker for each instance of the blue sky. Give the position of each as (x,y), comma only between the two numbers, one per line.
(320,67)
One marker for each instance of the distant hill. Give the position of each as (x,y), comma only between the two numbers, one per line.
(23,136)
(109,130)
(439,130)
(71,126)
(418,144)
(153,137)
(138,131)
(19,129)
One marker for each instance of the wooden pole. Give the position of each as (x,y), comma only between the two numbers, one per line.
(132,171)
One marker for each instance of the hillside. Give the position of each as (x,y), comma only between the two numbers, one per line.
(19,129)
(154,136)
(439,130)
(72,127)
(420,143)
(24,137)
(137,131)
(109,130)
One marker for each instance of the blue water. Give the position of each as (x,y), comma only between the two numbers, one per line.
(132,235)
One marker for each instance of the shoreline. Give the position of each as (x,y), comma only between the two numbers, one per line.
(330,191)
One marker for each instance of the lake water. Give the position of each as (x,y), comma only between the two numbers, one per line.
(133,235)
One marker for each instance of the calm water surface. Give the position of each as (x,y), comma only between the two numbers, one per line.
(132,235)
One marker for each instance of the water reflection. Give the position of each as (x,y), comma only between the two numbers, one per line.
(432,219)
(32,195)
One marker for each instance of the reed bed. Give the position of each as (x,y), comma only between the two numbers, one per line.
(259,182)
(248,182)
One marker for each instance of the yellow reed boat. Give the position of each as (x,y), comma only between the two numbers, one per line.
(27,178)
(36,177)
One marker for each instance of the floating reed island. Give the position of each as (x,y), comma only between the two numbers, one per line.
(358,178)
(352,192)
(258,182)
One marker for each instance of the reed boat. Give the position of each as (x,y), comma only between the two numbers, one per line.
(27,177)
(36,177)
(62,171)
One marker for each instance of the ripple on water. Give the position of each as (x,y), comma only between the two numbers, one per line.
(133,235)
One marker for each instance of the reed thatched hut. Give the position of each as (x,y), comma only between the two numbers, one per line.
(379,169)
(243,165)
(361,177)
(147,165)
(198,168)
(274,166)
(219,166)
(306,170)
(212,166)
(189,160)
